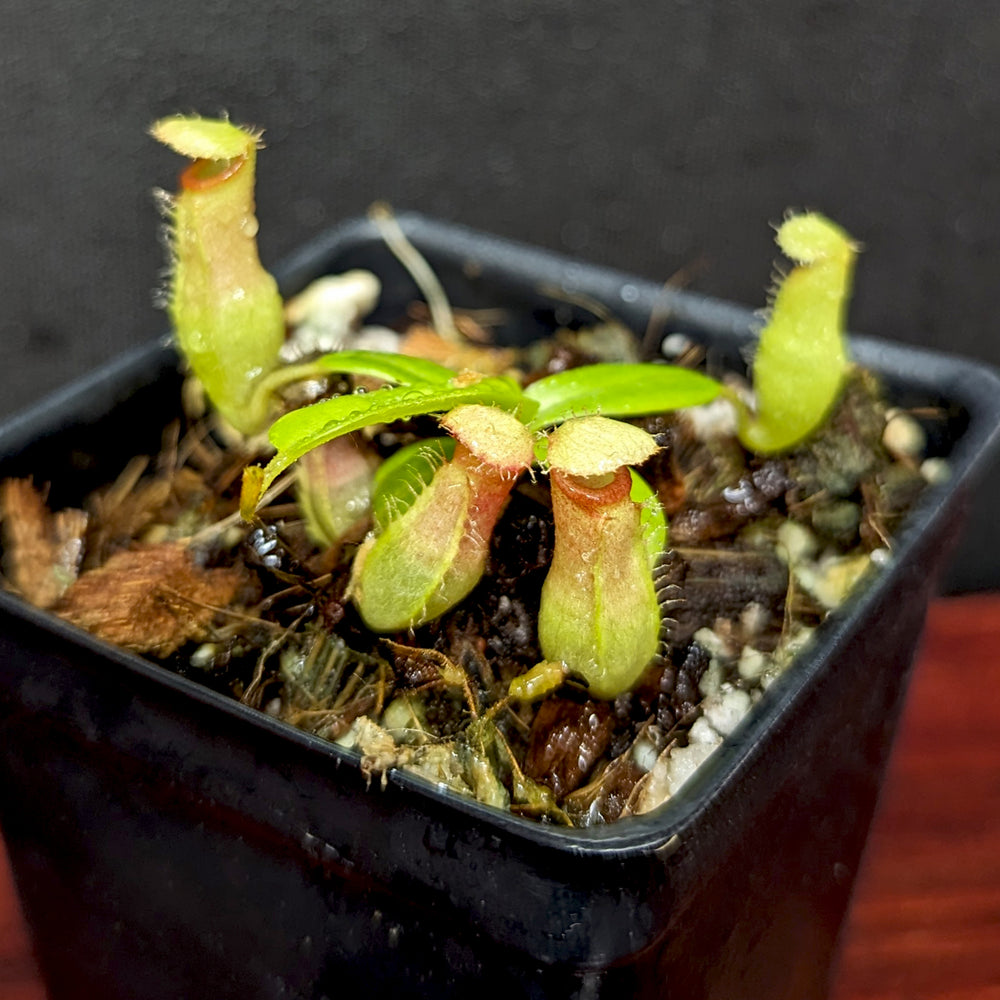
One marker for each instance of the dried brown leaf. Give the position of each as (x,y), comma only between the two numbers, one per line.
(567,739)
(150,599)
(417,666)
(42,551)
(121,511)
(425,342)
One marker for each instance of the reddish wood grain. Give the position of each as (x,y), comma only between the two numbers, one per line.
(925,924)
(19,979)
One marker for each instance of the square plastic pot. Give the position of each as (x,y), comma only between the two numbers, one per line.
(168,842)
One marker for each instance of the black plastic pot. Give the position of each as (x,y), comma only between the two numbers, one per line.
(168,842)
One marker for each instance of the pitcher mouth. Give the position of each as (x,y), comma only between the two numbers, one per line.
(203,175)
(592,492)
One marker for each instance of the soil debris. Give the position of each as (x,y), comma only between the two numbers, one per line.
(151,598)
(424,342)
(567,739)
(761,549)
(42,551)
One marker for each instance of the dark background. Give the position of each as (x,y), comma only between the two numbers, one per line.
(648,135)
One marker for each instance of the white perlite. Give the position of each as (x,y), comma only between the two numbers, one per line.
(325,315)
(672,768)
(721,713)
(724,710)
(726,702)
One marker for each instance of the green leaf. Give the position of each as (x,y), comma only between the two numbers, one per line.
(305,428)
(398,368)
(401,477)
(617,390)
(302,430)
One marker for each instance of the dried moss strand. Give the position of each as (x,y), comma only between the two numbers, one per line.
(426,280)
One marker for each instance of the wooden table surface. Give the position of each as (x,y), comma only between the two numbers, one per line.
(925,923)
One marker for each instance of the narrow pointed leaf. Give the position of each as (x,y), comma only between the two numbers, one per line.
(617,390)
(302,430)
(398,368)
